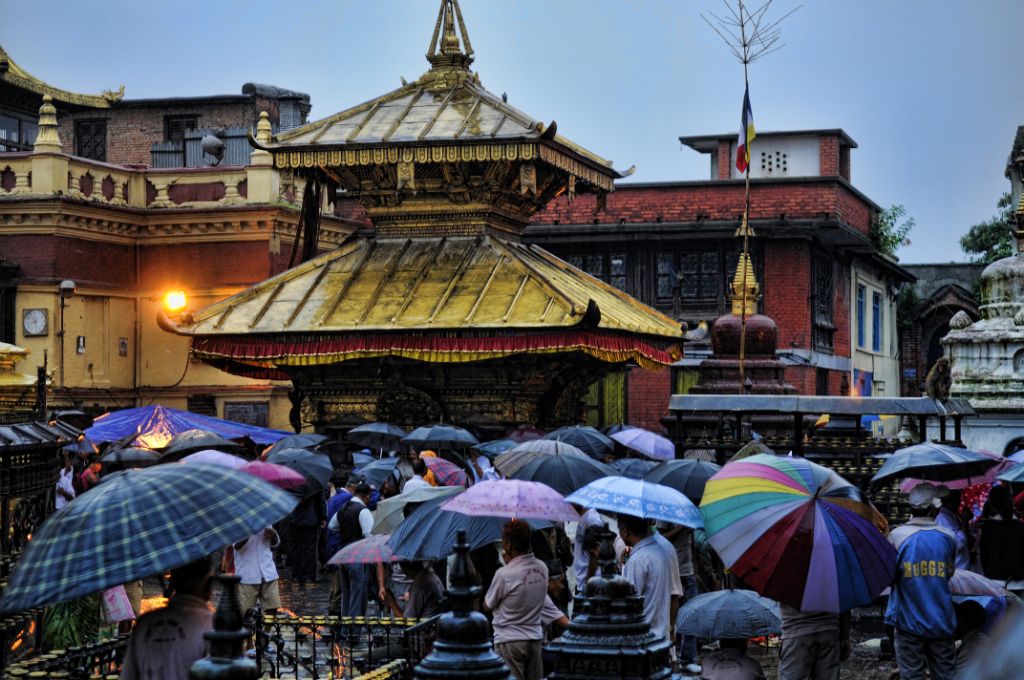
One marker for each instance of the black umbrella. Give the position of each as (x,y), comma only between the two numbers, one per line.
(296,441)
(378,471)
(617,427)
(439,436)
(131,455)
(191,441)
(635,468)
(685,476)
(934,462)
(564,474)
(315,467)
(378,436)
(585,438)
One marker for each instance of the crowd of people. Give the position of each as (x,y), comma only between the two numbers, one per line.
(529,579)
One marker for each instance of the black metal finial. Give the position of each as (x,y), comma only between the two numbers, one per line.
(226,660)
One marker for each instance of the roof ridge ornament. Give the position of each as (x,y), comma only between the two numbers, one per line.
(445,50)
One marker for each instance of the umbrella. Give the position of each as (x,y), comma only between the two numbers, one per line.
(153,427)
(1014,474)
(934,462)
(315,467)
(447,472)
(647,443)
(361,458)
(377,472)
(377,436)
(197,440)
(370,550)
(730,613)
(1003,465)
(213,457)
(440,437)
(512,498)
(428,533)
(798,533)
(131,455)
(517,458)
(617,427)
(83,445)
(586,439)
(686,476)
(495,448)
(526,433)
(751,448)
(296,441)
(632,467)
(391,511)
(640,499)
(1017,457)
(138,523)
(564,474)
(278,475)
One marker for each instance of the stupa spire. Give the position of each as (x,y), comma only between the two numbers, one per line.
(745,290)
(446,49)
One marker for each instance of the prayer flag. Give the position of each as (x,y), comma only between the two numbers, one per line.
(746,135)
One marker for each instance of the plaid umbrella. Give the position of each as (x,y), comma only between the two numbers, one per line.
(213,457)
(447,472)
(370,550)
(138,523)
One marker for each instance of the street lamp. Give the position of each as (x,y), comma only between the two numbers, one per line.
(67,289)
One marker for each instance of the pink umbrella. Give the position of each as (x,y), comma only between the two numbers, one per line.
(970,584)
(278,475)
(447,472)
(214,457)
(512,498)
(526,433)
(370,550)
(907,485)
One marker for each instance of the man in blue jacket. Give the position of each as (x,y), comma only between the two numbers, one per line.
(921,604)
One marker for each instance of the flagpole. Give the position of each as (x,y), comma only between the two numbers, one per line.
(744,224)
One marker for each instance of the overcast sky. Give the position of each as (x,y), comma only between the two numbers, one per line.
(930,89)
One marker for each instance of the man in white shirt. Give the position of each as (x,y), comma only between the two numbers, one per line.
(653,571)
(419,468)
(65,484)
(580,555)
(353,522)
(254,565)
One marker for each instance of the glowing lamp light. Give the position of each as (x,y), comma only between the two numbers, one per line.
(175,300)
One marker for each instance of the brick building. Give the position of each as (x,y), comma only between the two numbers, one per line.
(80,202)
(672,246)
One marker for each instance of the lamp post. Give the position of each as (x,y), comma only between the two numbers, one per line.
(67,290)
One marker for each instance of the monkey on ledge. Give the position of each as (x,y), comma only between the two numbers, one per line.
(938,382)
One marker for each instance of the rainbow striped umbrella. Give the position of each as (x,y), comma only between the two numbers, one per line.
(798,533)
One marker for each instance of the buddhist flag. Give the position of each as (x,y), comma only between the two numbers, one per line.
(746,135)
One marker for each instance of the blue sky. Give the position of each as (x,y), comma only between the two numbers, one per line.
(928,88)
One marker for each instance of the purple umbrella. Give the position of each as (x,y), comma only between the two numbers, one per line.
(646,443)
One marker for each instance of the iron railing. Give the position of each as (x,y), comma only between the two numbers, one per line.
(75,663)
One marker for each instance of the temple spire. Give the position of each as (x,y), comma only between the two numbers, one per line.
(745,290)
(446,50)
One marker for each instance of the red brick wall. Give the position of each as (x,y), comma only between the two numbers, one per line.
(47,259)
(647,395)
(787,291)
(828,155)
(131,131)
(200,265)
(724,159)
(714,201)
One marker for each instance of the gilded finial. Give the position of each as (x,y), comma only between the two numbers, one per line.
(446,50)
(47,138)
(744,229)
(745,290)
(263,129)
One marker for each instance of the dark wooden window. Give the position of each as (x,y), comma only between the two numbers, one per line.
(16,133)
(91,139)
(612,268)
(175,126)
(823,303)
(695,283)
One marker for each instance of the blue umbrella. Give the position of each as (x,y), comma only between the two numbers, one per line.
(428,533)
(378,436)
(138,523)
(496,447)
(640,499)
(361,458)
(685,476)
(617,427)
(191,441)
(737,614)
(933,462)
(83,445)
(153,426)
(586,439)
(378,471)
(647,443)
(516,458)
(632,467)
(449,437)
(130,455)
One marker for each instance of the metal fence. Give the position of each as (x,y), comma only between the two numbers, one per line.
(76,663)
(188,153)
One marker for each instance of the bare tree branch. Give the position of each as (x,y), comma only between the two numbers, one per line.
(749,35)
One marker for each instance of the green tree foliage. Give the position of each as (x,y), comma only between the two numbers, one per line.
(72,623)
(992,239)
(890,230)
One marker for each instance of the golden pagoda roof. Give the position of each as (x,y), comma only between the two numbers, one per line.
(11,73)
(429,284)
(9,356)
(446,106)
